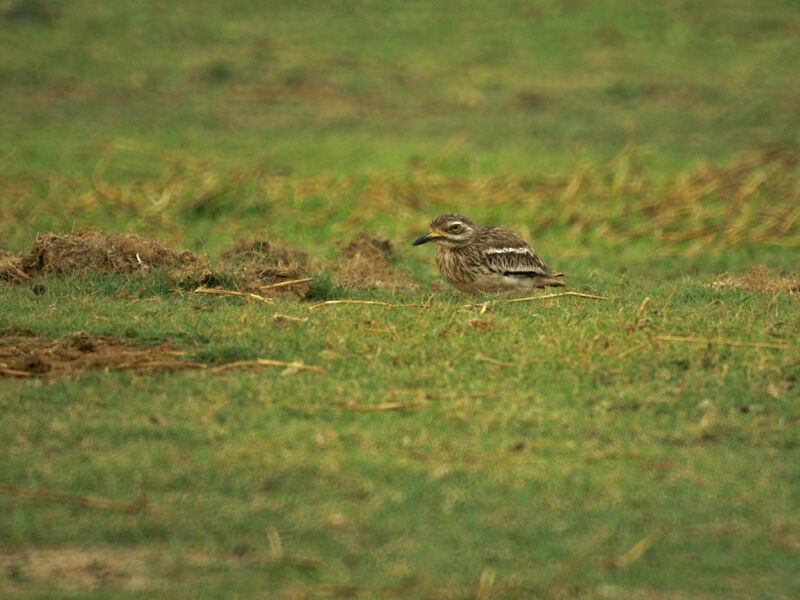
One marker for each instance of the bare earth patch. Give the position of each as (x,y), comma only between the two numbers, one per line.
(77,569)
(365,262)
(758,279)
(24,355)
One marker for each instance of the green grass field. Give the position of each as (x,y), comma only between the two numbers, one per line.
(646,445)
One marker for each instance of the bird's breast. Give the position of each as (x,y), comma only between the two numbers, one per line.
(457,266)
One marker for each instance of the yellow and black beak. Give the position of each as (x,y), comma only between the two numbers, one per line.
(428,237)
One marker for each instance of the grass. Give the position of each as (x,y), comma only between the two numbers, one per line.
(544,449)
(516,468)
(506,88)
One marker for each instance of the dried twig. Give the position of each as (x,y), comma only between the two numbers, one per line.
(276,553)
(14,372)
(160,364)
(486,583)
(12,270)
(692,340)
(545,297)
(280,319)
(770,305)
(640,547)
(265,362)
(640,312)
(381,406)
(272,286)
(74,499)
(371,302)
(219,292)
(631,350)
(548,296)
(494,361)
(185,364)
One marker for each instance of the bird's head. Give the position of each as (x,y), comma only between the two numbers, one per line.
(449,230)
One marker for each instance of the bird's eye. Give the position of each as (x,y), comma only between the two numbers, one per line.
(454,228)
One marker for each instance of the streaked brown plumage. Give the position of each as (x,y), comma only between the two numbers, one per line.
(485,259)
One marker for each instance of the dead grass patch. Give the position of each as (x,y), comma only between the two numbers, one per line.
(365,262)
(24,355)
(259,265)
(758,279)
(264,251)
(11,268)
(253,265)
(78,569)
(262,267)
(133,569)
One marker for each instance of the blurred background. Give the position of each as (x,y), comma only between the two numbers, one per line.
(171,117)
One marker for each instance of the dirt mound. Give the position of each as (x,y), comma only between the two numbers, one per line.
(22,354)
(364,244)
(258,266)
(264,251)
(759,280)
(81,251)
(262,267)
(365,262)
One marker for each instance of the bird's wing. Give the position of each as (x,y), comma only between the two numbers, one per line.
(506,253)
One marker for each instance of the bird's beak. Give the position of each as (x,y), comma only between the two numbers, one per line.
(427,238)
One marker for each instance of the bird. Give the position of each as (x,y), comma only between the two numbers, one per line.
(485,259)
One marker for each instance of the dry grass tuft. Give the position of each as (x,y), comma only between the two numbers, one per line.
(262,279)
(25,355)
(11,268)
(753,200)
(366,263)
(264,251)
(118,253)
(364,244)
(262,266)
(758,279)
(113,252)
(80,569)
(257,266)
(22,355)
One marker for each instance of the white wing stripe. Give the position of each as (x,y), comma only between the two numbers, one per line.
(525,269)
(507,251)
